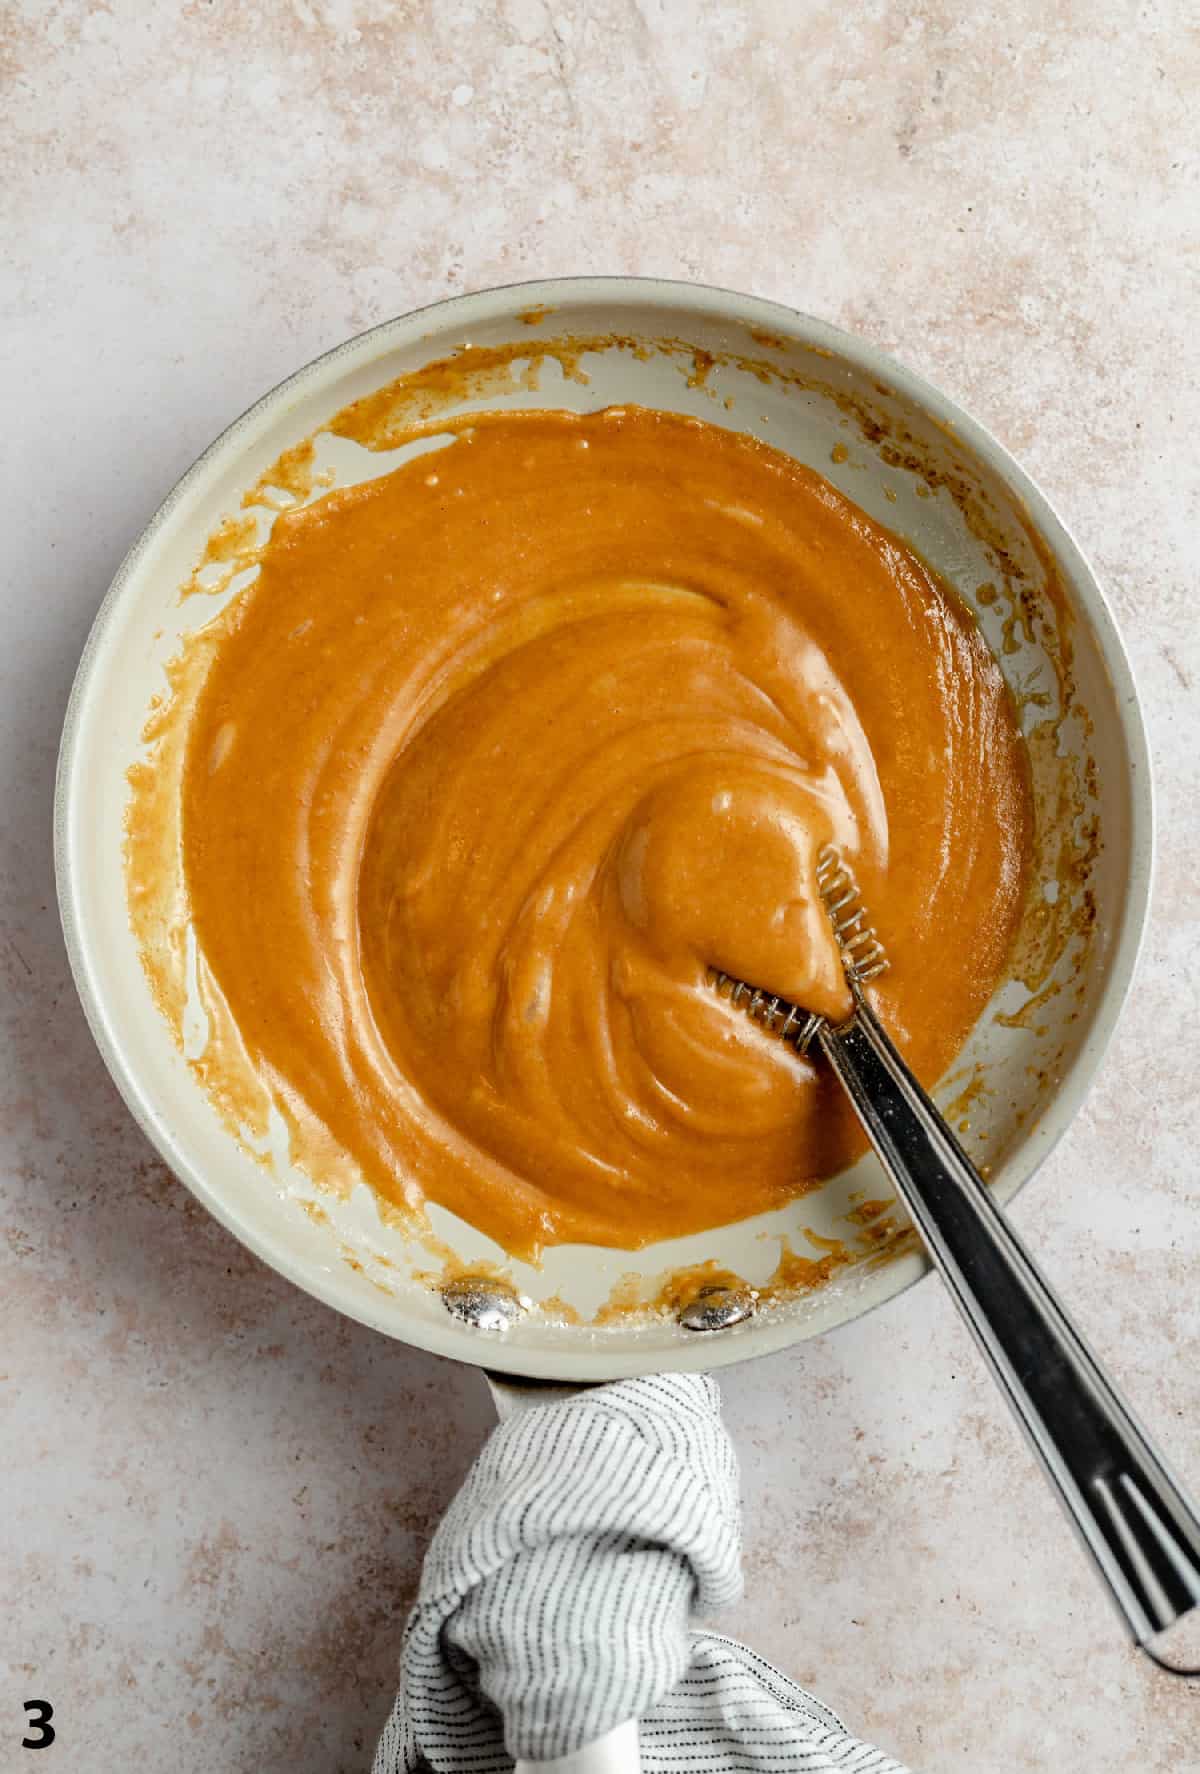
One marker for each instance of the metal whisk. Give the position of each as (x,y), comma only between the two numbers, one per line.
(1136,1522)
(863,955)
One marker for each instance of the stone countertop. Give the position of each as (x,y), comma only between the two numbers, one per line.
(214,1494)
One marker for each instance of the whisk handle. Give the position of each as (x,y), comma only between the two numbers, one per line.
(1140,1529)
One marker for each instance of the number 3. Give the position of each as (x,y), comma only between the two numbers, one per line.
(40,1723)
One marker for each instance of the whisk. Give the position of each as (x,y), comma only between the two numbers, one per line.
(1134,1519)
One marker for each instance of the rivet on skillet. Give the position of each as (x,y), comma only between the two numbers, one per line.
(484,1303)
(717,1308)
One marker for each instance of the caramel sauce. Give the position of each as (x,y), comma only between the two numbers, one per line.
(500,750)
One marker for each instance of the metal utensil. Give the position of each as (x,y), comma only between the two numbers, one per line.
(1131,1514)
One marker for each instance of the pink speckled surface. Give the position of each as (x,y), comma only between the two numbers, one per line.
(214,1494)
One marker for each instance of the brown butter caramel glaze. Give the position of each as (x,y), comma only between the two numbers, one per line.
(502,748)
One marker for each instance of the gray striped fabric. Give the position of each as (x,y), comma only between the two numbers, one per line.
(557,1595)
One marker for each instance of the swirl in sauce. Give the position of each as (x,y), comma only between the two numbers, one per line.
(503,748)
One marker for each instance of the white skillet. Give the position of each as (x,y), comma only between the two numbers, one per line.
(348,1257)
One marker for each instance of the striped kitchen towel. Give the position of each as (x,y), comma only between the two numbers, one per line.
(557,1597)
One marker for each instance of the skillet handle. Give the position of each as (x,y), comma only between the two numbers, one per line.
(618,1751)
(1140,1529)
